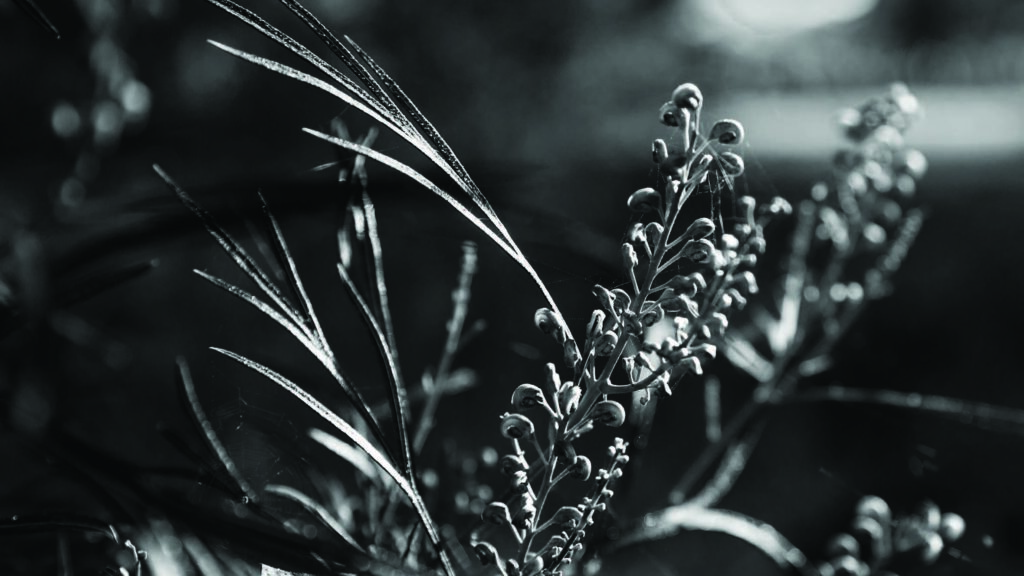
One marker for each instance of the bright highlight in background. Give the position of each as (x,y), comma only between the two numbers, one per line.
(777,17)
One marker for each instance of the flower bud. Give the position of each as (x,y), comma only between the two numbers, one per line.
(554,382)
(569,397)
(644,200)
(932,548)
(567,515)
(874,507)
(629,257)
(516,426)
(687,97)
(512,463)
(497,513)
(596,325)
(527,512)
(486,553)
(669,114)
(528,396)
(700,228)
(732,164)
(690,285)
(951,527)
(605,344)
(843,545)
(547,321)
(698,250)
(659,150)
(580,468)
(622,300)
(636,233)
(609,413)
(653,232)
(652,315)
(729,132)
(605,298)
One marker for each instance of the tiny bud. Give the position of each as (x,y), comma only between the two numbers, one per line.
(547,321)
(596,325)
(569,398)
(486,553)
(533,566)
(659,151)
(516,426)
(653,232)
(528,396)
(843,545)
(580,468)
(520,482)
(689,285)
(874,507)
(931,517)
(604,297)
(622,300)
(605,344)
(687,96)
(567,514)
(652,315)
(524,518)
(644,200)
(609,413)
(700,228)
(951,527)
(512,463)
(512,567)
(629,257)
(932,548)
(553,381)
(497,513)
(732,164)
(669,114)
(729,132)
(636,233)
(698,250)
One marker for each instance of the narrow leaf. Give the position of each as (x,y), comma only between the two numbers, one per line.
(346,452)
(313,507)
(210,434)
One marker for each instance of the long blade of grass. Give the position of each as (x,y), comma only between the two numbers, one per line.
(346,452)
(286,261)
(398,395)
(382,461)
(763,536)
(350,61)
(37,14)
(267,29)
(210,434)
(313,507)
(405,169)
(305,78)
(235,251)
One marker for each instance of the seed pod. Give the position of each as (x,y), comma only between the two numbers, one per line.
(732,164)
(609,413)
(580,468)
(729,132)
(644,200)
(486,553)
(497,513)
(528,396)
(516,426)
(687,97)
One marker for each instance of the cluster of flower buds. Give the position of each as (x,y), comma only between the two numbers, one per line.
(879,545)
(863,204)
(565,527)
(688,278)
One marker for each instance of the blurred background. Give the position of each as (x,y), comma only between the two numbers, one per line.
(551,106)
